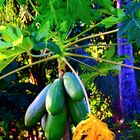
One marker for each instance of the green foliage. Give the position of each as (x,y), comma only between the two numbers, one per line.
(108,5)
(131,26)
(110,52)
(84,9)
(99,103)
(44,28)
(1,2)
(12,45)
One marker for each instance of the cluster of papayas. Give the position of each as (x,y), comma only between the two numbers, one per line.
(53,104)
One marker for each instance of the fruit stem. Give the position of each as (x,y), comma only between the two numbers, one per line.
(83,87)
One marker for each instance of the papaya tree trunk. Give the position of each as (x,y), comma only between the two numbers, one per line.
(38,71)
(129,100)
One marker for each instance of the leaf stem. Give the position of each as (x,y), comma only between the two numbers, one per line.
(40,55)
(83,87)
(85,46)
(82,63)
(93,26)
(100,59)
(29,65)
(91,36)
(53,11)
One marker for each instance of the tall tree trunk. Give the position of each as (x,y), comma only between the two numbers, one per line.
(130,103)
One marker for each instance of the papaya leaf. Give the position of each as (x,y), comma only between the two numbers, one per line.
(47,45)
(5,62)
(4,45)
(105,68)
(107,4)
(12,35)
(40,46)
(44,28)
(131,26)
(110,21)
(1,2)
(12,66)
(121,14)
(88,78)
(110,52)
(9,53)
(54,48)
(27,44)
(2,28)
(84,9)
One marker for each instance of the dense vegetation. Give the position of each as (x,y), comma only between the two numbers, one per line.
(89,43)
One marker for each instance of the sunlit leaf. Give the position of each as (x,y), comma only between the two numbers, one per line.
(4,45)
(5,62)
(12,35)
(2,27)
(27,44)
(110,21)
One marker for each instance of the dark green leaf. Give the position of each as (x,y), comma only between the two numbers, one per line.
(45,27)
(80,9)
(54,48)
(107,4)
(1,2)
(47,44)
(131,26)
(40,46)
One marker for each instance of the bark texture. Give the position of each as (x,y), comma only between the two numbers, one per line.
(130,102)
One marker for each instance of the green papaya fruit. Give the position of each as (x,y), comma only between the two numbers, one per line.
(77,109)
(55,97)
(43,121)
(36,109)
(56,125)
(73,86)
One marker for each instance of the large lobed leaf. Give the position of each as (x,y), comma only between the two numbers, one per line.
(80,9)
(12,44)
(131,26)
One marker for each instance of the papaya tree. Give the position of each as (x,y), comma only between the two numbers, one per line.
(49,33)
